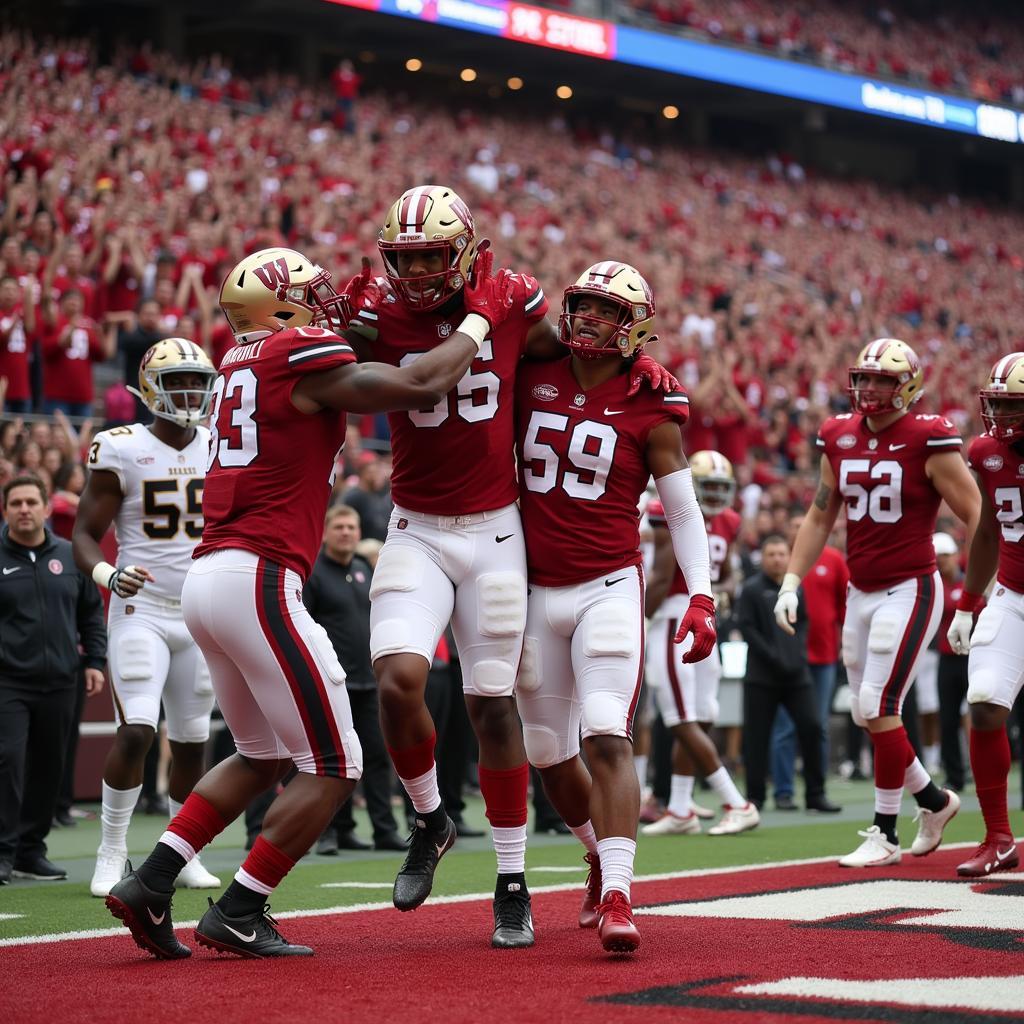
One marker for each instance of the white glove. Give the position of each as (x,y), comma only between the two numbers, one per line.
(788,603)
(959,632)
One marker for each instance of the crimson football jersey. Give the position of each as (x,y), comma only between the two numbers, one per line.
(583,466)
(722,528)
(271,468)
(456,458)
(1000,470)
(891,505)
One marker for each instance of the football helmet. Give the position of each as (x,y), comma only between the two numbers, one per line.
(429,217)
(1002,399)
(277,288)
(713,481)
(890,359)
(157,391)
(623,285)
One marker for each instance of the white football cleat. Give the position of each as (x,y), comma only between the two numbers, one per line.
(670,824)
(705,813)
(931,824)
(194,876)
(736,820)
(109,870)
(875,852)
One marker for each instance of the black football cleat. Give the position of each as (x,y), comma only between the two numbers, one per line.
(416,877)
(254,936)
(147,915)
(513,919)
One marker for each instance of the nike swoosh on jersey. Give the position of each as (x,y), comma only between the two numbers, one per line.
(244,938)
(896,447)
(154,918)
(7,572)
(617,412)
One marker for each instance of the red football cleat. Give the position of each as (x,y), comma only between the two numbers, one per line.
(996,853)
(616,929)
(589,911)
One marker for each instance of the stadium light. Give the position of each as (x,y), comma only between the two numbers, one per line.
(563,92)
(670,112)
(467,75)
(515,83)
(413,64)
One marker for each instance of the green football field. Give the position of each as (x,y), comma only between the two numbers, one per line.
(46,908)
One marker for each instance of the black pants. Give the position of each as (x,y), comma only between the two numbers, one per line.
(455,746)
(376,767)
(952,690)
(67,782)
(759,706)
(33,742)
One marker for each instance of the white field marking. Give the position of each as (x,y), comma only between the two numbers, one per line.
(356,885)
(1004,993)
(355,908)
(555,869)
(10,917)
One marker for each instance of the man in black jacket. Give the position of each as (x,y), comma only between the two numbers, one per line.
(46,607)
(337,595)
(777,674)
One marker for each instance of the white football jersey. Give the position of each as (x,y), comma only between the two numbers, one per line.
(161,516)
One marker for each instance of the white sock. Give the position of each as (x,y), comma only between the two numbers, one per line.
(510,846)
(174,806)
(586,835)
(680,798)
(640,764)
(915,778)
(932,758)
(617,854)
(116,816)
(721,782)
(888,801)
(423,791)
(250,882)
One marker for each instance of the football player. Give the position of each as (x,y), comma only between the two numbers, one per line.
(687,694)
(148,482)
(995,670)
(587,448)
(277,426)
(454,549)
(890,468)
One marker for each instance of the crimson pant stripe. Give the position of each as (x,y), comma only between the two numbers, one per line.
(910,646)
(640,671)
(296,669)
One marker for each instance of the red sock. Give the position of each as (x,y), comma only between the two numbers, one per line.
(990,762)
(412,762)
(504,793)
(266,864)
(197,822)
(891,757)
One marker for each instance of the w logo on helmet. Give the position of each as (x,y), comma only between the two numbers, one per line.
(274,273)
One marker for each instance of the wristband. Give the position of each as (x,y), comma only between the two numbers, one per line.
(790,582)
(476,327)
(103,574)
(969,602)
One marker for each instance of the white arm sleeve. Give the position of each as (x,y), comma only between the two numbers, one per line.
(686,527)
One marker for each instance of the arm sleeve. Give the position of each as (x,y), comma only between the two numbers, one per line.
(92,631)
(104,454)
(686,527)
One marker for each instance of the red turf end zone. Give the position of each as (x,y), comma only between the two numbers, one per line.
(867,941)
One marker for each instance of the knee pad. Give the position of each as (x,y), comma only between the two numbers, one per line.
(864,709)
(603,715)
(529,666)
(982,687)
(884,635)
(610,631)
(501,603)
(391,636)
(323,651)
(986,628)
(192,730)
(492,678)
(135,662)
(399,567)
(541,746)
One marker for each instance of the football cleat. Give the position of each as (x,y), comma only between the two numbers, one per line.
(736,820)
(704,813)
(651,810)
(996,853)
(616,929)
(589,915)
(513,920)
(194,876)
(147,915)
(109,870)
(931,824)
(670,824)
(416,876)
(254,936)
(875,852)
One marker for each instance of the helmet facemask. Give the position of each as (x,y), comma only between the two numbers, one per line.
(185,406)
(1003,414)
(423,292)
(875,400)
(588,334)
(714,493)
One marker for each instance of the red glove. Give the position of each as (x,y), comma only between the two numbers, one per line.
(487,296)
(362,290)
(645,369)
(700,621)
